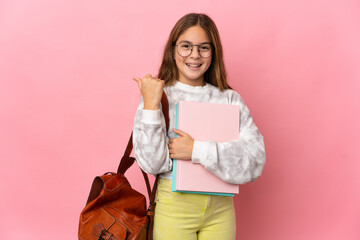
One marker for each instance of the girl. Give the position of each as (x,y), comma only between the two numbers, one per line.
(192,69)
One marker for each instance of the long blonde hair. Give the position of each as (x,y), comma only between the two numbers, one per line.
(216,74)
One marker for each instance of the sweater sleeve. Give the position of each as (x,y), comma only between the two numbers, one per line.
(238,161)
(150,141)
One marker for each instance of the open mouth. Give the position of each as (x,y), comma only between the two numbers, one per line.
(193,66)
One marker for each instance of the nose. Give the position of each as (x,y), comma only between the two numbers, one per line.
(195,52)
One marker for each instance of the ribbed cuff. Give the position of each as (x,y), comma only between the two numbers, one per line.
(199,152)
(151,116)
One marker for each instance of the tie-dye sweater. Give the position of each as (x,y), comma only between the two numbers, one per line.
(238,161)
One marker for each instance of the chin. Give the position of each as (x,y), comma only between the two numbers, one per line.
(194,76)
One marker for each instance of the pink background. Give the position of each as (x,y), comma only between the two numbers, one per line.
(67,104)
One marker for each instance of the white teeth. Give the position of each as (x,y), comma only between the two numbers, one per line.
(193,65)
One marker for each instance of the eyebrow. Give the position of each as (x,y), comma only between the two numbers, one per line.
(192,42)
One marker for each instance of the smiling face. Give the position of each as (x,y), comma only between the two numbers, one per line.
(191,69)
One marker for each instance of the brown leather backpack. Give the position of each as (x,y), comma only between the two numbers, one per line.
(114,210)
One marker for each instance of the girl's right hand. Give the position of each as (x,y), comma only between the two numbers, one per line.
(151,89)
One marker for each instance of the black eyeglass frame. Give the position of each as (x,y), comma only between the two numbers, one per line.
(191,45)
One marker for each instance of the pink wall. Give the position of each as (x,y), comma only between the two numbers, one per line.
(67,104)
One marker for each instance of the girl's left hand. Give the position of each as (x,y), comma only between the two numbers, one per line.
(181,147)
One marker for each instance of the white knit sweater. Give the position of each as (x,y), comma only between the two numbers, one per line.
(238,161)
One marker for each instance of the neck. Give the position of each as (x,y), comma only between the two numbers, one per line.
(194,83)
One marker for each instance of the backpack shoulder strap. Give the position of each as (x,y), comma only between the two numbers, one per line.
(127,161)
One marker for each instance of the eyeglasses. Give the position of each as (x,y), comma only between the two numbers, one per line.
(185,48)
